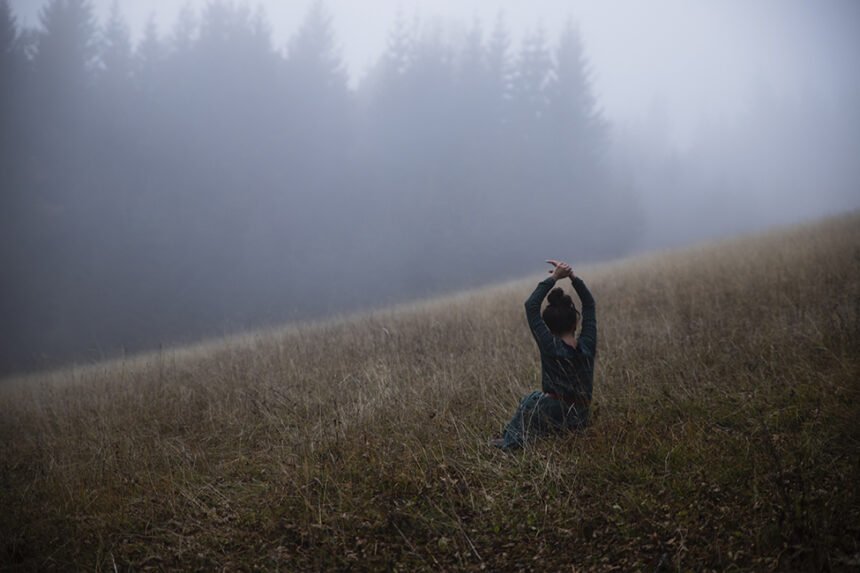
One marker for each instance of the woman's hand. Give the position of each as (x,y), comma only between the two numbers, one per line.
(560,270)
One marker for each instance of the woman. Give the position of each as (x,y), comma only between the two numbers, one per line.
(567,362)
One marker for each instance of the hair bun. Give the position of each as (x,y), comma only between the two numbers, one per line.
(558,298)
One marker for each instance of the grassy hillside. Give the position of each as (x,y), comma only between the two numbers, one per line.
(724,435)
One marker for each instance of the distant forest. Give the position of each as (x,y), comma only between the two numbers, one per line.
(204,180)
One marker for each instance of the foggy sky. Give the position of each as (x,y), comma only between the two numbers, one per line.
(703,61)
(217,185)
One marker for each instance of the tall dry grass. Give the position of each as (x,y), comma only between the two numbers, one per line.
(724,433)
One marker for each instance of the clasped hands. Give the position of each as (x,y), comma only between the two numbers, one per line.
(560,270)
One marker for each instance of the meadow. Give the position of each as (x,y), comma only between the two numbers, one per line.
(724,433)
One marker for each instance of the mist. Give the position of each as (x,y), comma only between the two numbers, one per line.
(178,174)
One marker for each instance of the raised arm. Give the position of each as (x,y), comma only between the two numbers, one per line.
(541,333)
(588,334)
(544,338)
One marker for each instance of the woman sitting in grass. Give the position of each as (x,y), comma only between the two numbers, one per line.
(567,362)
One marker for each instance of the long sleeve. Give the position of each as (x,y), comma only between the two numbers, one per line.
(541,333)
(588,334)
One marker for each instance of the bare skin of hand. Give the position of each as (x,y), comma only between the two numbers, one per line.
(560,270)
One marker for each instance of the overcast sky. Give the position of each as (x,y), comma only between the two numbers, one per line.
(701,60)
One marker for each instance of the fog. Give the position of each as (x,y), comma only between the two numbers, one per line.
(170,173)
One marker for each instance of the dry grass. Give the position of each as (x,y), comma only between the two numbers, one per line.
(724,436)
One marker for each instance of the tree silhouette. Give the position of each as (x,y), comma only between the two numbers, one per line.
(11,70)
(529,100)
(312,53)
(11,75)
(499,69)
(115,88)
(149,59)
(116,52)
(578,130)
(384,94)
(66,53)
(8,37)
(316,88)
(184,32)
(60,107)
(206,179)
(472,104)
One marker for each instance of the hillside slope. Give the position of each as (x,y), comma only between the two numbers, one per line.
(724,433)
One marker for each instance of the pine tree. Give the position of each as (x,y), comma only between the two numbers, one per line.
(382,91)
(471,103)
(384,95)
(316,86)
(472,79)
(116,55)
(313,57)
(499,69)
(528,105)
(400,51)
(66,50)
(8,36)
(149,58)
(575,122)
(11,64)
(184,31)
(60,107)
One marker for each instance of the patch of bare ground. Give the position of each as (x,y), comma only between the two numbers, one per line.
(724,434)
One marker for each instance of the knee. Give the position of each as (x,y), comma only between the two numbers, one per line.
(533,398)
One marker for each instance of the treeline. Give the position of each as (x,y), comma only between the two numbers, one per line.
(204,180)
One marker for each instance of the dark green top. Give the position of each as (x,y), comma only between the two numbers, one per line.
(566,371)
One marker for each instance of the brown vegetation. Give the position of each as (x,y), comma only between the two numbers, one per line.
(724,435)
